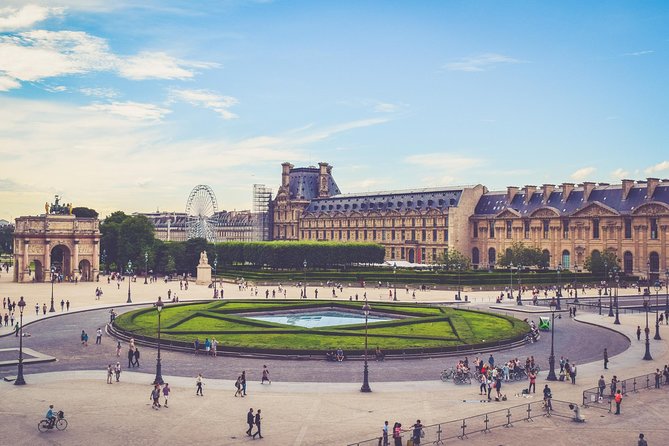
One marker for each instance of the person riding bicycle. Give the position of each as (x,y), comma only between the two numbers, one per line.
(51,416)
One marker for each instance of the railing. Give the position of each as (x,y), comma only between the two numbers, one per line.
(593,398)
(484,423)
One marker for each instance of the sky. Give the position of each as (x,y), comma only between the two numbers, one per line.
(128,105)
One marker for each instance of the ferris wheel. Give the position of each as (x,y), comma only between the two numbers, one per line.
(201,208)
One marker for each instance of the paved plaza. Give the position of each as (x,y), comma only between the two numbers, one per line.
(310,402)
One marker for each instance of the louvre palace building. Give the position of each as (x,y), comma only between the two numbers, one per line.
(569,222)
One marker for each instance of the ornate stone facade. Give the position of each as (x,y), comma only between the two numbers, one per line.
(70,244)
(570,223)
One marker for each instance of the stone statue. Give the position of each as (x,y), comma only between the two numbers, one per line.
(203,258)
(46,207)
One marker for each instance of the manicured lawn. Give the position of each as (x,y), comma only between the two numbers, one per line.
(421,326)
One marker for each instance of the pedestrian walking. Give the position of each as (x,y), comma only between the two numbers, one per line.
(110,373)
(658,378)
(136,355)
(601,385)
(619,400)
(642,441)
(243,382)
(548,396)
(67,305)
(384,433)
(572,373)
(638,332)
(131,357)
(238,385)
(36,309)
(117,370)
(397,434)
(265,375)
(250,420)
(155,396)
(533,382)
(614,385)
(257,420)
(62,305)
(198,384)
(166,393)
(98,336)
(118,349)
(606,359)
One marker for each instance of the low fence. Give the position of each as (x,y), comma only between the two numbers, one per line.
(484,423)
(594,398)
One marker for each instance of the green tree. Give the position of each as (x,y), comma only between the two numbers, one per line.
(83,212)
(6,239)
(452,259)
(519,254)
(600,263)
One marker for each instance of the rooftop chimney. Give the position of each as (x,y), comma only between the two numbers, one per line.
(323,184)
(511,192)
(547,190)
(529,191)
(627,187)
(567,188)
(285,174)
(588,187)
(650,188)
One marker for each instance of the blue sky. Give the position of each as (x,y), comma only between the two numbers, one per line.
(131,104)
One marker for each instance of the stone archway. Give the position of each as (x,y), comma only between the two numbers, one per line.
(60,260)
(85,271)
(38,273)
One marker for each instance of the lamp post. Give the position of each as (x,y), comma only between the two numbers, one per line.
(610,297)
(606,274)
(104,259)
(519,301)
(304,295)
(558,292)
(20,381)
(617,279)
(365,374)
(52,309)
(459,271)
(551,359)
(215,271)
(146,267)
(575,284)
(395,281)
(129,301)
(511,280)
(657,311)
(646,302)
(159,376)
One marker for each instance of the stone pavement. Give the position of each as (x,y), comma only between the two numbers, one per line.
(296,412)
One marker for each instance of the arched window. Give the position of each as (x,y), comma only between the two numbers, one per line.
(475,257)
(492,257)
(628,262)
(654,272)
(545,259)
(566,259)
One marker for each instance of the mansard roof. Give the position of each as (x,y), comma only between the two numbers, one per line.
(397,200)
(492,204)
(303,183)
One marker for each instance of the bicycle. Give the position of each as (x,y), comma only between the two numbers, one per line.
(462,378)
(60,423)
(447,374)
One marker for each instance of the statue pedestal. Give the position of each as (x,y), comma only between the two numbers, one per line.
(203,275)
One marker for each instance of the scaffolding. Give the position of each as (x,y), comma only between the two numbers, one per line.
(262,198)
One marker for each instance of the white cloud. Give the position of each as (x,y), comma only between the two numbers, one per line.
(12,19)
(35,55)
(147,65)
(639,53)
(132,110)
(207,99)
(449,161)
(583,174)
(8,83)
(620,174)
(108,93)
(385,107)
(659,167)
(481,62)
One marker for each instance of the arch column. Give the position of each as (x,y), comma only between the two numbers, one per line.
(47,260)
(25,261)
(75,258)
(663,249)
